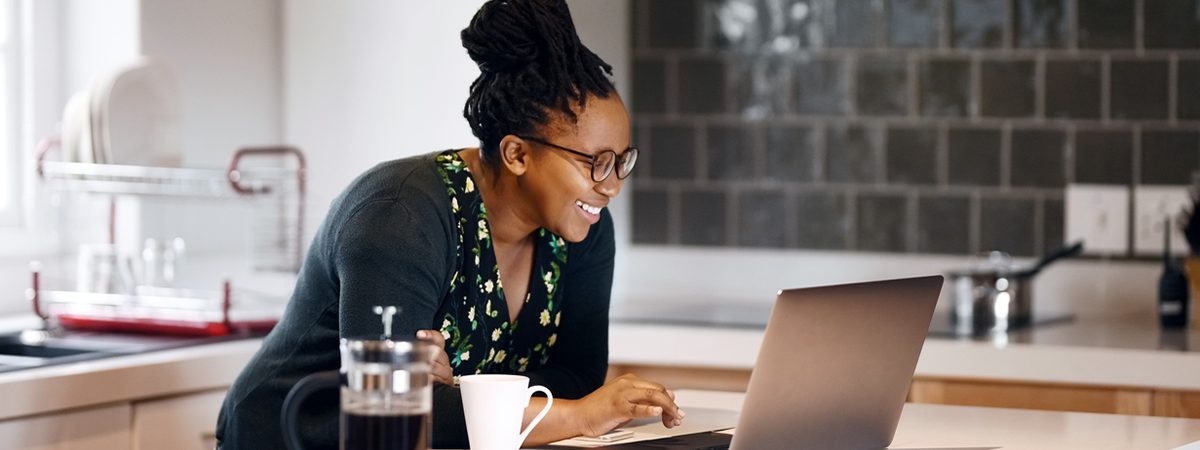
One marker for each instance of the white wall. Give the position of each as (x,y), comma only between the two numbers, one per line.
(228,57)
(370,81)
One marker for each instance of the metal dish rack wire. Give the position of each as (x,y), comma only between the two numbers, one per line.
(277,193)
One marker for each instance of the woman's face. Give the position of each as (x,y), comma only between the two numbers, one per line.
(560,183)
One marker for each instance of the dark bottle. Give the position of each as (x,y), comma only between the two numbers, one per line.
(1172,289)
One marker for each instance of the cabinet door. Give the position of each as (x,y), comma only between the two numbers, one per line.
(104,428)
(186,422)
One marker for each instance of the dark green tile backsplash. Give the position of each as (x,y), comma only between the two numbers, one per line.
(924,126)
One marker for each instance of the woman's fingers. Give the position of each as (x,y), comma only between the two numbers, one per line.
(656,395)
(440,369)
(433,337)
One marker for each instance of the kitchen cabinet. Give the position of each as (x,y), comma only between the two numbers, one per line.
(1056,397)
(1139,401)
(102,428)
(1041,396)
(185,422)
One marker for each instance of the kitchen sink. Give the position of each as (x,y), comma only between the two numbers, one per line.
(75,346)
(39,351)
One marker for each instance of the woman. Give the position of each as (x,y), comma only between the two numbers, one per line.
(434,235)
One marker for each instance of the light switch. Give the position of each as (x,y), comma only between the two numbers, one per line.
(1152,205)
(1099,216)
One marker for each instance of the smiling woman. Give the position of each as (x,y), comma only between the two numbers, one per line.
(501,255)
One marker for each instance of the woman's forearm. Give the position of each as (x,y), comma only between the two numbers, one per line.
(560,423)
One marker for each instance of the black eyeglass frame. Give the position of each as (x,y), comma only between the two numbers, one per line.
(618,159)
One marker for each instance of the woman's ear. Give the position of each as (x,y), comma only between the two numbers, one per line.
(514,154)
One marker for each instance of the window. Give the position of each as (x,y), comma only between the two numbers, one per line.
(10,152)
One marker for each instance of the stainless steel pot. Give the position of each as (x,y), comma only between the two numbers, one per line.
(995,295)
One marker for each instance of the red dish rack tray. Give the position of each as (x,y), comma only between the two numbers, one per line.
(156,310)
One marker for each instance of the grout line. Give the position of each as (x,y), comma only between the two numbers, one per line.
(851,232)
(1006,157)
(642,141)
(1039,87)
(911,222)
(913,86)
(1007,38)
(1072,154)
(731,216)
(1073,25)
(882,40)
(852,86)
(943,154)
(730,88)
(944,26)
(700,137)
(976,101)
(820,152)
(976,222)
(991,53)
(1173,89)
(1105,89)
(652,119)
(1039,225)
(674,214)
(1139,26)
(879,130)
(644,28)
(759,141)
(791,220)
(1137,155)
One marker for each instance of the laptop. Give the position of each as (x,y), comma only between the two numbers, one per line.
(833,371)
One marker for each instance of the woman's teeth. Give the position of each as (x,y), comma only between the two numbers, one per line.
(589,208)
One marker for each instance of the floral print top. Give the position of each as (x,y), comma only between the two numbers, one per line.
(475,318)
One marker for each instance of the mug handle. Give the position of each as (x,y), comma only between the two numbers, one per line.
(538,418)
(291,405)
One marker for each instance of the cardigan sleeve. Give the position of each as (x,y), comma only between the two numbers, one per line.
(391,254)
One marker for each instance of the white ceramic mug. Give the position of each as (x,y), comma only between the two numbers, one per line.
(494,406)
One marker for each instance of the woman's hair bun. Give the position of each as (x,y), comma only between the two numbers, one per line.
(504,36)
(532,63)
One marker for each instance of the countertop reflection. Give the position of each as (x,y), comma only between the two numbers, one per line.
(1058,330)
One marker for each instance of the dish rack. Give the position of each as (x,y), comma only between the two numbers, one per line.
(277,192)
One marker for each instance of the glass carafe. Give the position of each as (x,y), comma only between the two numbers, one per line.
(386,395)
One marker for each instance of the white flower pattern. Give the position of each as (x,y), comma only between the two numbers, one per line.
(466,332)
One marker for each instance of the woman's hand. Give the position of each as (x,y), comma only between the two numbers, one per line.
(441,365)
(624,399)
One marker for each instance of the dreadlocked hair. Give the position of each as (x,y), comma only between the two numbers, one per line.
(531,63)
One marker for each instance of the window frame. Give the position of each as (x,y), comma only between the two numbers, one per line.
(12,211)
(34,87)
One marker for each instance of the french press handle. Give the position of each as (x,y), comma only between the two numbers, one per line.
(307,386)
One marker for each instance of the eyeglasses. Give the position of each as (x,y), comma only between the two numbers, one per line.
(603,163)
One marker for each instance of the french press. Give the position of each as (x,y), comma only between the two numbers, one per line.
(386,393)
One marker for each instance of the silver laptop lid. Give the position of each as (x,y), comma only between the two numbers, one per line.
(835,365)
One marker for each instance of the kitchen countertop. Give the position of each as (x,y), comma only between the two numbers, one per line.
(973,428)
(123,378)
(1082,352)
(1094,352)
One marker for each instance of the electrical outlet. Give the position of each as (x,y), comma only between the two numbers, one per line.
(1152,205)
(1098,215)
